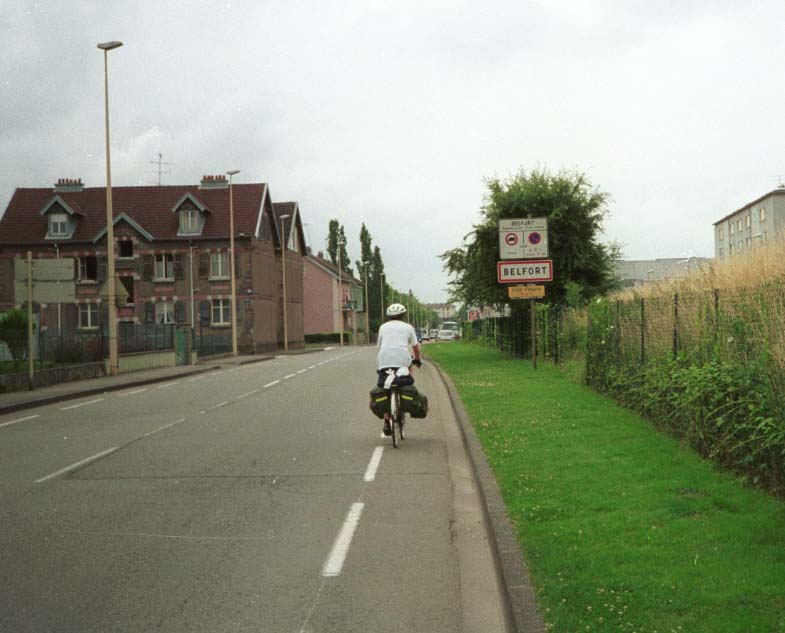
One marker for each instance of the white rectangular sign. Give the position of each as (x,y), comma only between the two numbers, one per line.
(524,271)
(523,238)
(53,280)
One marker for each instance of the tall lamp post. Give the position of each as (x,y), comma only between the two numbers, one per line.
(367,309)
(381,294)
(283,274)
(110,288)
(233,303)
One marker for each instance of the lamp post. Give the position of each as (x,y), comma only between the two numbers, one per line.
(283,274)
(233,302)
(367,320)
(381,294)
(113,357)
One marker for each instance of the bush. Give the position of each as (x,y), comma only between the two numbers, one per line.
(328,337)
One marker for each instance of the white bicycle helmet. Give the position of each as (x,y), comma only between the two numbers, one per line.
(396,309)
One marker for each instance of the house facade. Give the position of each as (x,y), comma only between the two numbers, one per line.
(755,224)
(171,250)
(639,272)
(326,299)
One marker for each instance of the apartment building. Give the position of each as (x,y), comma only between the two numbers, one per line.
(755,224)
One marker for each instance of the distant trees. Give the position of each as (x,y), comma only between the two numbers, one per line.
(583,267)
(336,246)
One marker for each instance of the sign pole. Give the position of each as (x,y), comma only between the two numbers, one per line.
(30,319)
(534,335)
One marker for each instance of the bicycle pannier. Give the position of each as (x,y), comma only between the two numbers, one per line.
(380,402)
(413,402)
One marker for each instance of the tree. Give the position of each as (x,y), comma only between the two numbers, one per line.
(574,211)
(13,332)
(336,245)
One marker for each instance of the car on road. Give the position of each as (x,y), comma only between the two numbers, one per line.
(434,333)
(446,335)
(452,325)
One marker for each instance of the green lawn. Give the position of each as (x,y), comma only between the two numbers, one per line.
(622,527)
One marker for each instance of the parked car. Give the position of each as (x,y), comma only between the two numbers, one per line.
(446,335)
(454,326)
(423,334)
(434,333)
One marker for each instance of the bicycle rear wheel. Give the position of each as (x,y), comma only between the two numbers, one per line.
(395,409)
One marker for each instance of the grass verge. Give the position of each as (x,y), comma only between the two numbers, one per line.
(622,527)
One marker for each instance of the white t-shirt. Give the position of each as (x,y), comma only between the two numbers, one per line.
(395,337)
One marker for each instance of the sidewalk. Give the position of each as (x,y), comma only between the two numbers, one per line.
(19,400)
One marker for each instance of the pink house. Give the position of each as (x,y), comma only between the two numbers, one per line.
(325,299)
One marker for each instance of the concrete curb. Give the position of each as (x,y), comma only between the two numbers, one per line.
(523,615)
(30,404)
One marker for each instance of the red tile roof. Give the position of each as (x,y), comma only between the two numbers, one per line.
(150,207)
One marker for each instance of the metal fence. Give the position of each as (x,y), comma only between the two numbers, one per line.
(209,344)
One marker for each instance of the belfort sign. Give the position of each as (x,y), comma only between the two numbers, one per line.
(529,271)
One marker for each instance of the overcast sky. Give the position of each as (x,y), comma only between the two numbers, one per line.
(395,113)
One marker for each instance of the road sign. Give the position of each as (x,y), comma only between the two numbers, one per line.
(516,272)
(53,280)
(526,292)
(523,238)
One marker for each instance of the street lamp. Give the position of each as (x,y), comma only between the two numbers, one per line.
(283,274)
(113,357)
(231,173)
(367,326)
(381,294)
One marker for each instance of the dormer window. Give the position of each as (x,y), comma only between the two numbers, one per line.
(58,225)
(189,221)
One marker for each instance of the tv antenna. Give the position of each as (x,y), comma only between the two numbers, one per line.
(160,162)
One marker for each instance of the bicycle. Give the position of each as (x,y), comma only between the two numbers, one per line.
(397,416)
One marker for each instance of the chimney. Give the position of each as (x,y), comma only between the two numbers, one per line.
(68,184)
(214,182)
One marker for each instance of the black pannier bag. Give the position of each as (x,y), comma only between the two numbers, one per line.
(413,402)
(380,402)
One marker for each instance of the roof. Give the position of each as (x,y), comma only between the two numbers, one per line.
(281,209)
(775,192)
(331,268)
(150,207)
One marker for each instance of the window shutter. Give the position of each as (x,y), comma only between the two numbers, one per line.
(148,267)
(204,311)
(179,268)
(204,265)
(149,312)
(102,268)
(179,312)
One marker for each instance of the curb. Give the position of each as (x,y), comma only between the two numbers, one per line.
(95,390)
(522,613)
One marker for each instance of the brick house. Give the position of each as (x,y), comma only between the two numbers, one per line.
(324,298)
(171,257)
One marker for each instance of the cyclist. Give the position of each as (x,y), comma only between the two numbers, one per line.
(395,338)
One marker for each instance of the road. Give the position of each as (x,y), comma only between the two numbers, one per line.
(258,498)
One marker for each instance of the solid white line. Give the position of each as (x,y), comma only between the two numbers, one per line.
(62,471)
(221,404)
(81,404)
(130,393)
(169,384)
(302,371)
(327,349)
(245,395)
(289,376)
(29,417)
(312,367)
(270,384)
(163,427)
(334,562)
(373,465)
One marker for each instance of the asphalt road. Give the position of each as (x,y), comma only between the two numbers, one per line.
(259,498)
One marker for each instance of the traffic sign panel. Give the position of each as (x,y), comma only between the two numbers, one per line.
(514,272)
(531,291)
(523,238)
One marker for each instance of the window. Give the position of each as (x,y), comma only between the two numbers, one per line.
(730,232)
(164,267)
(88,268)
(219,265)
(58,224)
(164,312)
(88,315)
(738,225)
(762,212)
(730,249)
(189,221)
(722,233)
(747,243)
(747,221)
(128,284)
(222,312)
(126,248)
(722,254)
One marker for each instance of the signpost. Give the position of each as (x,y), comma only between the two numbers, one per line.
(523,251)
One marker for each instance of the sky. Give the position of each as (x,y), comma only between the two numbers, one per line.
(395,114)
